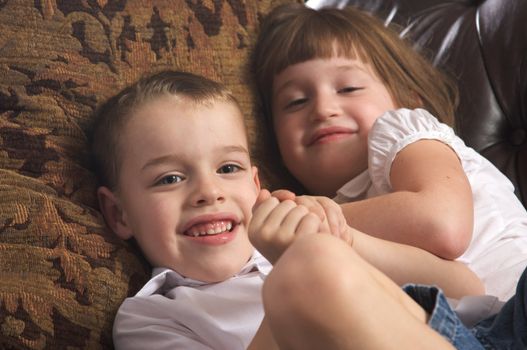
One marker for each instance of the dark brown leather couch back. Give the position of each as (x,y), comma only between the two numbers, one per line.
(484,45)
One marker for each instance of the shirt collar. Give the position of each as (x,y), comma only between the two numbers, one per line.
(164,279)
(356,188)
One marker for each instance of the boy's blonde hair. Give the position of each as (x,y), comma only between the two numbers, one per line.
(294,33)
(113,115)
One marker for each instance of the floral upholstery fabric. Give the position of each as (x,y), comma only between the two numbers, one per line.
(63,274)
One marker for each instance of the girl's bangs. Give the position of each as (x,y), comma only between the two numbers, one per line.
(322,42)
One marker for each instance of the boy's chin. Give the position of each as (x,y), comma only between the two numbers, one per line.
(219,271)
(218,276)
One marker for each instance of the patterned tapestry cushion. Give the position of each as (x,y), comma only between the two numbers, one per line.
(63,274)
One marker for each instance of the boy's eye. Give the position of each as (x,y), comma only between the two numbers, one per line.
(170,179)
(229,168)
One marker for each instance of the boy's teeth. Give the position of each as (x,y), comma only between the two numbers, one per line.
(210,228)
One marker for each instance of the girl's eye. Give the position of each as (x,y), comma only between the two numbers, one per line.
(229,168)
(349,89)
(170,179)
(295,103)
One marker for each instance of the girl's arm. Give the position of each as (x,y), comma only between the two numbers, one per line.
(400,262)
(431,206)
(409,264)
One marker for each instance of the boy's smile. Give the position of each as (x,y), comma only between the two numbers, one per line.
(187,186)
(211,229)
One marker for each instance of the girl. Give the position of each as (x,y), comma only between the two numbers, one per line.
(357,115)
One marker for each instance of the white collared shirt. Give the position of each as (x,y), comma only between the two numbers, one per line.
(174,312)
(498,250)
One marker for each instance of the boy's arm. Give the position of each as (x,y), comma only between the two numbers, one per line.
(408,264)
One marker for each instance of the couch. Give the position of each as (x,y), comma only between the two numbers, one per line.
(62,273)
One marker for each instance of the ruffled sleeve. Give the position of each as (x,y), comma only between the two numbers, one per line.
(395,130)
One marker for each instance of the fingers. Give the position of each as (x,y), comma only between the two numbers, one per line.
(333,214)
(327,210)
(260,213)
(329,214)
(348,235)
(283,195)
(309,223)
(312,204)
(301,221)
(275,225)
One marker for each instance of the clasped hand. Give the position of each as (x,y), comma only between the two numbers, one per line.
(280,217)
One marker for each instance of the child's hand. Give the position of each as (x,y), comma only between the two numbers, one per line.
(275,224)
(325,208)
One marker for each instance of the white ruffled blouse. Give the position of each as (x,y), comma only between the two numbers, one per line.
(498,250)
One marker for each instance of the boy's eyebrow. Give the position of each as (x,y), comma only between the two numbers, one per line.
(174,157)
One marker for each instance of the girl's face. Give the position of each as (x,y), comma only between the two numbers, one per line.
(323,110)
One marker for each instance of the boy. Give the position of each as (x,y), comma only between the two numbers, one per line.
(177,177)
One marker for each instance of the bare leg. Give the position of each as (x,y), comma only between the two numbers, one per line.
(323,295)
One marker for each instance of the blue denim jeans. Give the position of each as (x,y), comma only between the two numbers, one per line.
(506,330)
(443,319)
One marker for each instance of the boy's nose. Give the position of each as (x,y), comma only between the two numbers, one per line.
(207,192)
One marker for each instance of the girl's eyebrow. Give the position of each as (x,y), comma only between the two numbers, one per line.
(282,87)
(343,67)
(352,66)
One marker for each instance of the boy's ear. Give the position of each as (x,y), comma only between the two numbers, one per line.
(256,178)
(113,213)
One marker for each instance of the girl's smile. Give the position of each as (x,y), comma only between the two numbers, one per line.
(329,134)
(323,110)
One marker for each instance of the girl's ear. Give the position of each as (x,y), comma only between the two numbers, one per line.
(113,213)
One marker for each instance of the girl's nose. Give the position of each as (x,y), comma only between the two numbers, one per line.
(325,106)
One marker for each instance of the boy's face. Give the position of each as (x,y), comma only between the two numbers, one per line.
(187,187)
(323,110)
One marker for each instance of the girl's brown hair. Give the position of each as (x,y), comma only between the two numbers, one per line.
(113,115)
(294,33)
